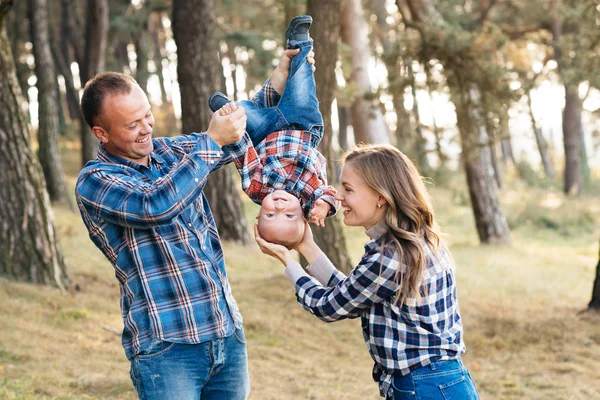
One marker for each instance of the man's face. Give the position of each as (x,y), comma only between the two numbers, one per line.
(127,123)
(280,219)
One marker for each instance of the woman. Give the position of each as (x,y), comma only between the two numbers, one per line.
(404,287)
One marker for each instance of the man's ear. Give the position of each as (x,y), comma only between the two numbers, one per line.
(100,133)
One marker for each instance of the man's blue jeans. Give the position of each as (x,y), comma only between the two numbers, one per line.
(212,370)
(298,107)
(443,380)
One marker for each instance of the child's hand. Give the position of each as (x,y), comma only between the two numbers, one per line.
(280,74)
(227,109)
(318,213)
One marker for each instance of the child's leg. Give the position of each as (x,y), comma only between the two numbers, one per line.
(298,103)
(260,121)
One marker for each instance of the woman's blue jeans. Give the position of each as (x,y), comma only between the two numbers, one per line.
(212,370)
(444,380)
(298,107)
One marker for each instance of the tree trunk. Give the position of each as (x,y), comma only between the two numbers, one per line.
(476,156)
(69,51)
(17,23)
(595,302)
(198,69)
(542,144)
(419,143)
(141,50)
(325,33)
(343,122)
(367,118)
(437,131)
(492,142)
(96,36)
(29,248)
(396,83)
(48,130)
(572,140)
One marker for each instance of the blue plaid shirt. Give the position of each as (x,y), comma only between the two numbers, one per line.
(400,338)
(155,226)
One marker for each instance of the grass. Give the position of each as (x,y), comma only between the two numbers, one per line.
(526,334)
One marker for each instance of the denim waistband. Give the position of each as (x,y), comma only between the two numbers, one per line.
(435,366)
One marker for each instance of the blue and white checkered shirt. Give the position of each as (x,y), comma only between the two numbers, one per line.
(155,226)
(400,339)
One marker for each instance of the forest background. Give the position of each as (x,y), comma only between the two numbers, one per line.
(496,101)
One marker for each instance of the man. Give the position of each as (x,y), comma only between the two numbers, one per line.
(143,205)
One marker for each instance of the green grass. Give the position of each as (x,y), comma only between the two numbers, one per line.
(526,334)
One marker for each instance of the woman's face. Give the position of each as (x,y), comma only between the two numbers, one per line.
(359,200)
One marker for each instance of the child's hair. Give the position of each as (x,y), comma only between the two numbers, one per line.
(409,213)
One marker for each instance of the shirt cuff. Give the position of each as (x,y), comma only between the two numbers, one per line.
(294,271)
(322,269)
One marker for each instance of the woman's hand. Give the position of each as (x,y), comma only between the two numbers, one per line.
(274,250)
(307,247)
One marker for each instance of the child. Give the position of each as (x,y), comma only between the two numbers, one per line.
(404,288)
(284,172)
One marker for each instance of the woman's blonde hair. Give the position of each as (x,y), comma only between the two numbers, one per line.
(409,212)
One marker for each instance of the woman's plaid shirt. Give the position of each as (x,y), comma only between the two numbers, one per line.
(400,339)
(155,227)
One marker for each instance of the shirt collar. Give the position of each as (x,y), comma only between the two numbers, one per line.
(377,230)
(105,156)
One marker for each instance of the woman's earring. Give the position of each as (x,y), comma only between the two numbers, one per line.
(378,205)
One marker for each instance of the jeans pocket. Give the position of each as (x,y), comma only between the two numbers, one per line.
(402,394)
(459,389)
(156,351)
(239,335)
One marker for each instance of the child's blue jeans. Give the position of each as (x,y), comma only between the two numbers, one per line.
(298,107)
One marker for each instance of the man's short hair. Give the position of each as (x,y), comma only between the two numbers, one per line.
(97,89)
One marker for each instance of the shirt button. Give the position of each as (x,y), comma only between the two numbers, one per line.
(190,225)
(196,179)
(212,161)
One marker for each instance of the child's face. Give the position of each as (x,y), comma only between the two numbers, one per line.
(280,219)
(358,199)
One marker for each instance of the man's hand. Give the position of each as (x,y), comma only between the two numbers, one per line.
(318,213)
(280,74)
(274,250)
(227,129)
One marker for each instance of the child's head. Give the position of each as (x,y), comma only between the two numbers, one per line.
(386,185)
(280,219)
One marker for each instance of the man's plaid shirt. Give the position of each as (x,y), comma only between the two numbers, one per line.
(399,339)
(155,226)
(286,160)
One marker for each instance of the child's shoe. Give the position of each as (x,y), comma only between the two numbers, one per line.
(217,100)
(298,30)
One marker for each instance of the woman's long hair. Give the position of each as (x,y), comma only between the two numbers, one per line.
(409,212)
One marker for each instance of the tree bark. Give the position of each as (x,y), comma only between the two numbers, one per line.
(198,69)
(595,302)
(29,247)
(18,34)
(367,118)
(48,130)
(96,36)
(325,33)
(572,140)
